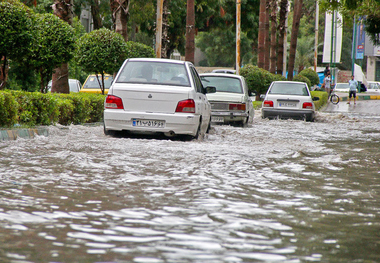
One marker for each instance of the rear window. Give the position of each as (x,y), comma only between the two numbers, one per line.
(161,73)
(298,89)
(222,84)
(93,83)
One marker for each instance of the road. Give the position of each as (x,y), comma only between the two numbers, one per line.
(277,191)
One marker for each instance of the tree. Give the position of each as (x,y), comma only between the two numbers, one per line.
(54,44)
(101,51)
(190,31)
(120,13)
(261,37)
(60,79)
(281,35)
(297,14)
(16,34)
(273,47)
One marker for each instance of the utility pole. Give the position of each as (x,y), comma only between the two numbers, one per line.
(190,32)
(316,35)
(238,21)
(160,4)
(353,52)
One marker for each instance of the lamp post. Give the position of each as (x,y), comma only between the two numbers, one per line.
(238,22)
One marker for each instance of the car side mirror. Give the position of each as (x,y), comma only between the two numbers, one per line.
(210,89)
(315,98)
(251,93)
(262,96)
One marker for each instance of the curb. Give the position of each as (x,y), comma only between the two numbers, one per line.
(7,135)
(362,97)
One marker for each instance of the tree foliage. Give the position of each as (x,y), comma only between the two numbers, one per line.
(258,79)
(139,50)
(54,44)
(101,51)
(311,75)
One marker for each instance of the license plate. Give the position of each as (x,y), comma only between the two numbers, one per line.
(148,123)
(286,104)
(217,119)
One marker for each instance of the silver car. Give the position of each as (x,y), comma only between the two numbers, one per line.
(157,96)
(231,104)
(288,99)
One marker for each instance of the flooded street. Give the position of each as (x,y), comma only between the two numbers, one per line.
(278,191)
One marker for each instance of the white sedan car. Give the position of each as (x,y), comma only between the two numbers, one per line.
(231,103)
(288,99)
(157,96)
(373,86)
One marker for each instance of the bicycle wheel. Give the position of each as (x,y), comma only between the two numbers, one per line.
(334,99)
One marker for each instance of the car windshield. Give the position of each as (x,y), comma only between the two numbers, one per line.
(373,85)
(283,88)
(161,73)
(222,84)
(342,86)
(93,83)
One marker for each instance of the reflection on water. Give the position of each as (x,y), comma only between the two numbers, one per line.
(281,190)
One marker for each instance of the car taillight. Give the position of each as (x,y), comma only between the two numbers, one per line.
(237,107)
(268,103)
(113,102)
(307,105)
(186,106)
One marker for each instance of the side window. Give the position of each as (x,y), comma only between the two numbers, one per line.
(197,80)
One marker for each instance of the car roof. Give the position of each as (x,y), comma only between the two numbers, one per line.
(227,75)
(164,60)
(289,81)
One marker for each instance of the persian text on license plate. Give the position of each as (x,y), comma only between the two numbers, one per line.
(217,119)
(287,104)
(148,123)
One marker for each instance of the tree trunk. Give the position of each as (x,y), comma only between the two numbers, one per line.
(165,44)
(4,67)
(293,41)
(273,42)
(120,13)
(261,37)
(190,32)
(95,12)
(267,36)
(281,35)
(60,79)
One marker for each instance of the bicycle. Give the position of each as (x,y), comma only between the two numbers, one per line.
(334,98)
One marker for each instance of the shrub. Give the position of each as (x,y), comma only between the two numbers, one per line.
(139,50)
(301,78)
(258,79)
(311,75)
(322,95)
(8,109)
(82,108)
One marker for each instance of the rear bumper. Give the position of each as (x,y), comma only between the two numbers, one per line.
(229,116)
(287,114)
(118,120)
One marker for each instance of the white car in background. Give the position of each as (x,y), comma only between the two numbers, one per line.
(288,99)
(157,96)
(373,86)
(231,104)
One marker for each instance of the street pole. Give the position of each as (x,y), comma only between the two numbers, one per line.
(190,32)
(353,52)
(238,21)
(316,35)
(160,4)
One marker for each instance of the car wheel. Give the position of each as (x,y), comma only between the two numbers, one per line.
(199,134)
(209,126)
(108,132)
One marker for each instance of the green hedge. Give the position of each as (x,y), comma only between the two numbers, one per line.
(35,108)
(322,95)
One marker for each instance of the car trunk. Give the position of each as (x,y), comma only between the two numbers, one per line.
(284,102)
(150,98)
(220,100)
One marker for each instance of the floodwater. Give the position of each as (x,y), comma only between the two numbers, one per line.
(278,191)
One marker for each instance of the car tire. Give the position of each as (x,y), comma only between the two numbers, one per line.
(209,126)
(108,132)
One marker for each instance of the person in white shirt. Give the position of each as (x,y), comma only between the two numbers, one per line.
(353,88)
(327,82)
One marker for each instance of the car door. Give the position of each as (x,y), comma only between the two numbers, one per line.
(201,99)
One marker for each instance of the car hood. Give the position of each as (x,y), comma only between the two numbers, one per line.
(226,96)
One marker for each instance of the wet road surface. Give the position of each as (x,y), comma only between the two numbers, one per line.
(278,191)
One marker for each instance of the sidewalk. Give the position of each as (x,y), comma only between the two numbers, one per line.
(13,134)
(359,96)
